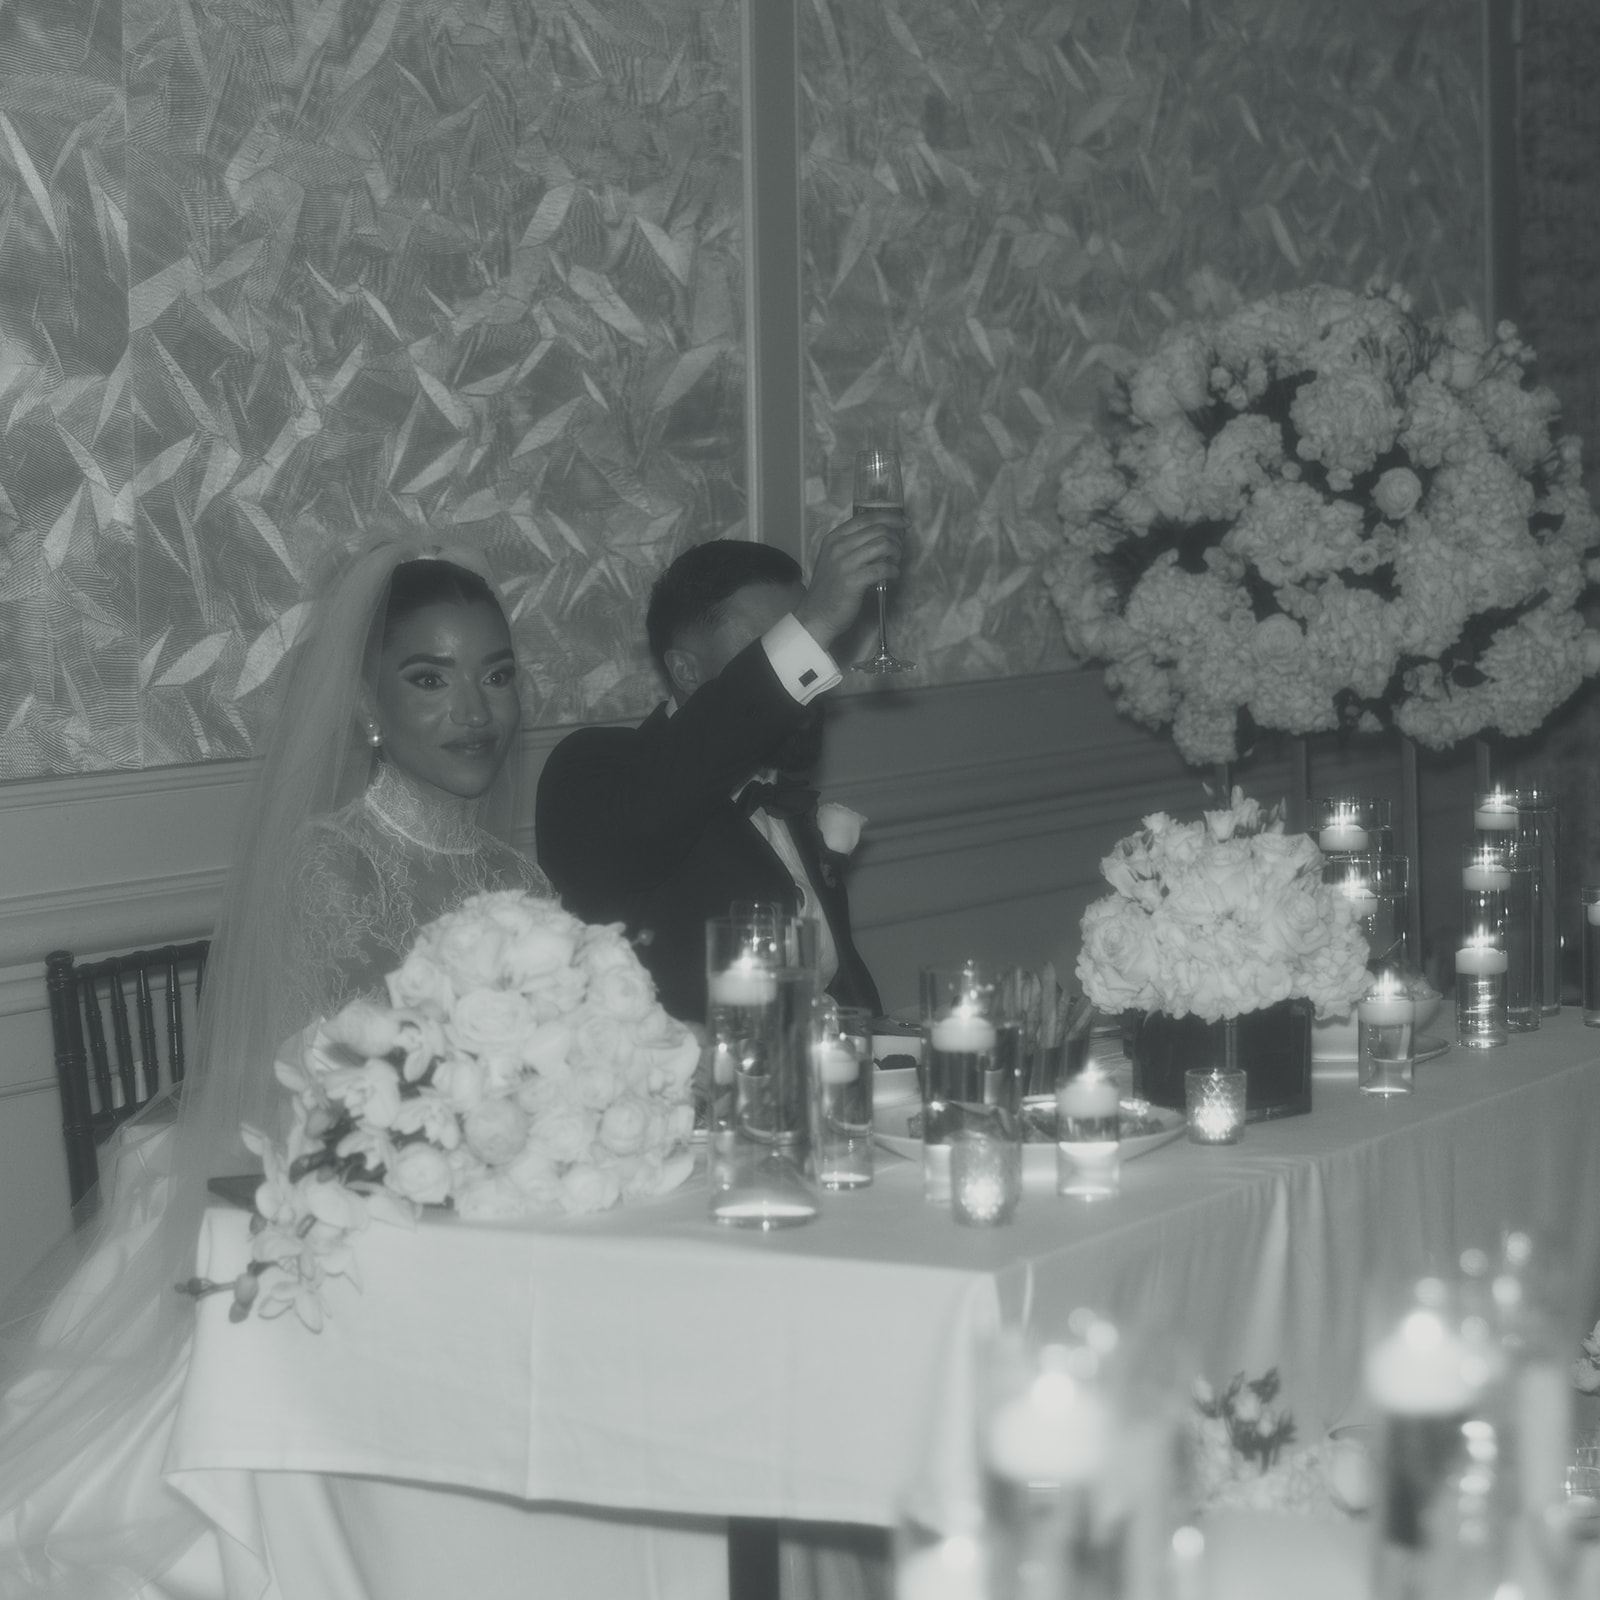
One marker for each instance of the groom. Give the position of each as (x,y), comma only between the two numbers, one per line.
(704,803)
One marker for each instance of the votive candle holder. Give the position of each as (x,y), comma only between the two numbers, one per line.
(986,1172)
(1215,1098)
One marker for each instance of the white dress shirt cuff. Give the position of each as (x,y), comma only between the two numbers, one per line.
(803,667)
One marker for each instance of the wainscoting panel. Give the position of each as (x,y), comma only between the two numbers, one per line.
(989,807)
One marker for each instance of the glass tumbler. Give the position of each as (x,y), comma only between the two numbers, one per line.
(1386,1018)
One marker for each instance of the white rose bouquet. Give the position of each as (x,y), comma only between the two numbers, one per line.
(1326,512)
(1220,917)
(522,1064)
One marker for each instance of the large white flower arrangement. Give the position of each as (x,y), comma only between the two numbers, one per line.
(522,1064)
(1328,512)
(1220,917)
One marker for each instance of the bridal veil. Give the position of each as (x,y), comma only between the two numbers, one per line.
(100,1333)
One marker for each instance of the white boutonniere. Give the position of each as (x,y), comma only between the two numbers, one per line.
(839,826)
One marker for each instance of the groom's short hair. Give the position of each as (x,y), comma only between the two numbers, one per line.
(699,583)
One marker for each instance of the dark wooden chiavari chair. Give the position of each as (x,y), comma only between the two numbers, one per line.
(108,1063)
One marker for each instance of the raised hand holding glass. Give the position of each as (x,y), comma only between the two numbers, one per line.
(878,487)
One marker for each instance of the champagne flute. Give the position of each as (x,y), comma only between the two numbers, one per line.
(878,488)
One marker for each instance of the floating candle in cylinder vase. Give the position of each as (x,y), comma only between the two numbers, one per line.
(961,1006)
(841,1095)
(1481,991)
(1436,1534)
(962,1033)
(1351,824)
(1495,812)
(1343,838)
(746,983)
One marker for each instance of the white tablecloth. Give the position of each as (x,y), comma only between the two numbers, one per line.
(649,1362)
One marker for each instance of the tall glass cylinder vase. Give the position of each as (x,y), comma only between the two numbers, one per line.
(1077,1460)
(1376,887)
(761,979)
(1538,826)
(1590,896)
(1497,895)
(971,1055)
(1481,990)
(1443,1511)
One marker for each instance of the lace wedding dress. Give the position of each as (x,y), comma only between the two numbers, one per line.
(366,878)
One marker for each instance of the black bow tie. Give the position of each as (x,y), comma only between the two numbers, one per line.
(786,798)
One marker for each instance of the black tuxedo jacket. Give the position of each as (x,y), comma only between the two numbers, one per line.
(638,826)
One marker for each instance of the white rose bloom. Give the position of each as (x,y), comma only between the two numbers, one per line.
(421,984)
(365,1028)
(548,1047)
(469,949)
(495,1130)
(536,1175)
(490,1021)
(530,960)
(605,946)
(624,1128)
(624,993)
(563,1133)
(421,1173)
(585,1188)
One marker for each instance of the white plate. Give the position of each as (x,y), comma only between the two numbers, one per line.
(892,1130)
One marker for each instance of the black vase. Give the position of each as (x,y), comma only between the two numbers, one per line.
(1273,1046)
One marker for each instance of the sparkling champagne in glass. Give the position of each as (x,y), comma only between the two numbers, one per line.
(878,487)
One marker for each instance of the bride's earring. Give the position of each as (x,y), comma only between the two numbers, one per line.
(375,737)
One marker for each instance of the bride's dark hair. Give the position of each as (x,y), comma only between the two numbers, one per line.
(431,581)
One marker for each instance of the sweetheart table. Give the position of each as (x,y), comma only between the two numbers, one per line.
(513,1396)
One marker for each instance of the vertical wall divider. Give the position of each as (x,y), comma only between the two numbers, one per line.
(774,374)
(1502,75)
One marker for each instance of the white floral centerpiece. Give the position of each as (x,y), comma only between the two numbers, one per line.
(522,1065)
(1220,917)
(1240,1458)
(1326,512)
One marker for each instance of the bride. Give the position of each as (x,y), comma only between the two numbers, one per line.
(381,791)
